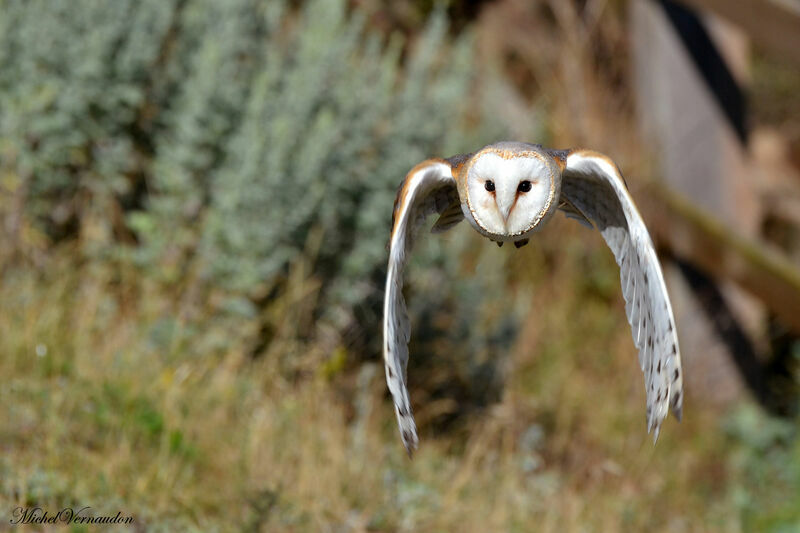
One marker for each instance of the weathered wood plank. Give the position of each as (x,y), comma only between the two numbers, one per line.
(773,24)
(693,235)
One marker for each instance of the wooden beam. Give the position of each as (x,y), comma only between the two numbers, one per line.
(692,235)
(772,24)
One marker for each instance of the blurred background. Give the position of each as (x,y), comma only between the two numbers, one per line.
(195,199)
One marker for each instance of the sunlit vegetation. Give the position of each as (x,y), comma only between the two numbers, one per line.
(195,203)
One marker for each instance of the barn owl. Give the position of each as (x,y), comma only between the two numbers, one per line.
(507,191)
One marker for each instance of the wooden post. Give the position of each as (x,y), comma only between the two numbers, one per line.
(692,114)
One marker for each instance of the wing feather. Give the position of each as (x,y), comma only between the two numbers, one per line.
(450,215)
(429,188)
(593,186)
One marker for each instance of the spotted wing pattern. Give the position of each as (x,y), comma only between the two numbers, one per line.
(429,188)
(593,185)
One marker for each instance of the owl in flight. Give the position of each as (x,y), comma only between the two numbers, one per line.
(507,191)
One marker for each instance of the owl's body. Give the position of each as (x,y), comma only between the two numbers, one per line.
(508,191)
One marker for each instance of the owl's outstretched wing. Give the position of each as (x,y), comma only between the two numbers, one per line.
(593,186)
(429,188)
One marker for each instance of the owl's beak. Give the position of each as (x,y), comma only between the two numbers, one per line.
(505,204)
(505,210)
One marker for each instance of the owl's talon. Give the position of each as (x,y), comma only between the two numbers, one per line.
(520,243)
(499,244)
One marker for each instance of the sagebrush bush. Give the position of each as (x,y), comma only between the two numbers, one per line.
(330,127)
(73,79)
(237,138)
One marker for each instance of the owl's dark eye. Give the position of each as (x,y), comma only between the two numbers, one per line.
(489,185)
(524,186)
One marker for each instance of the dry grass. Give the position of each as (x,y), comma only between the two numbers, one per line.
(124,396)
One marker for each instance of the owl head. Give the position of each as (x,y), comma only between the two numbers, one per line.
(510,189)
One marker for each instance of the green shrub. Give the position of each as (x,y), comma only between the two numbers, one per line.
(331,126)
(238,138)
(74,78)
